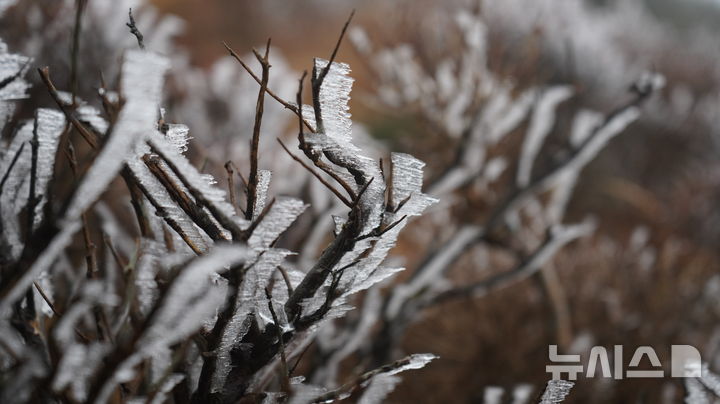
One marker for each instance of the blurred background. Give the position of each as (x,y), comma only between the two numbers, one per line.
(648,276)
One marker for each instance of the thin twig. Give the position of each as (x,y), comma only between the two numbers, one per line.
(316,175)
(33,198)
(200,199)
(364,188)
(361,380)
(231,185)
(90,249)
(121,263)
(379,233)
(285,375)
(55,310)
(286,279)
(46,298)
(295,109)
(255,145)
(134,30)
(160,210)
(318,78)
(12,164)
(248,232)
(89,136)
(196,213)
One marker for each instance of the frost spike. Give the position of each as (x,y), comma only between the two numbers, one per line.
(142,80)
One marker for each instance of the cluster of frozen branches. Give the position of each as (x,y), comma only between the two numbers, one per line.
(205,307)
(461,98)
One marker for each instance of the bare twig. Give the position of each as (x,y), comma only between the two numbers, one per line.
(33,199)
(88,135)
(318,78)
(364,188)
(46,298)
(286,279)
(295,109)
(380,232)
(120,261)
(231,185)
(248,232)
(134,30)
(255,145)
(136,198)
(90,248)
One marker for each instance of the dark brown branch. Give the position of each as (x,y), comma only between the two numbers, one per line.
(136,198)
(248,232)
(298,100)
(134,30)
(231,185)
(33,198)
(255,145)
(90,137)
(331,295)
(90,249)
(380,232)
(364,188)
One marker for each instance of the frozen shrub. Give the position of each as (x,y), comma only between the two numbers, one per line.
(206,308)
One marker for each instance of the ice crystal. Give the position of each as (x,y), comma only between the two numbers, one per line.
(49,125)
(178,135)
(142,80)
(556,391)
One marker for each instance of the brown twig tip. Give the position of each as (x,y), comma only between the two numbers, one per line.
(255,143)
(326,69)
(134,30)
(287,105)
